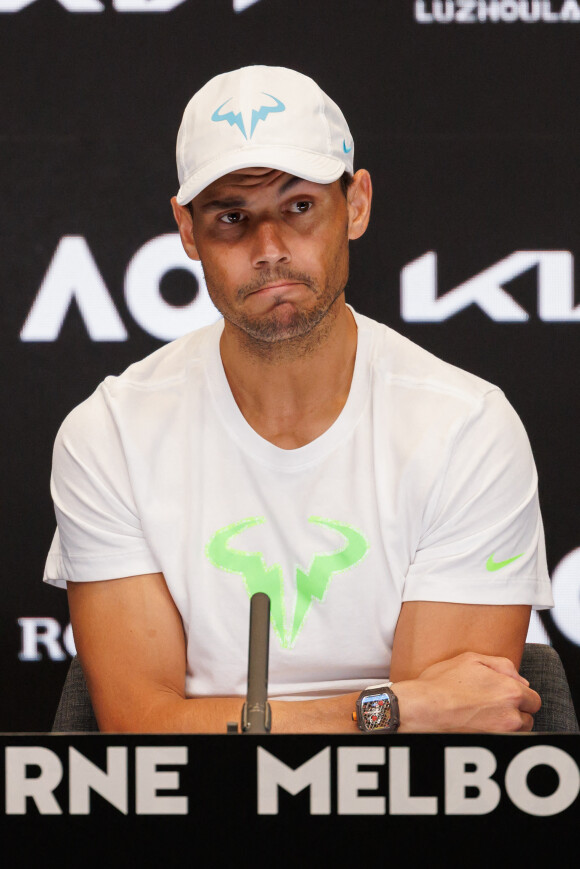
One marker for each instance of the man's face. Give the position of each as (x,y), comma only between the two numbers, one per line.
(274,250)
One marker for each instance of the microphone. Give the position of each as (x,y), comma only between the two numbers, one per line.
(256,716)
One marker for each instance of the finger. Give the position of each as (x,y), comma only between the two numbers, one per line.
(502,665)
(530,702)
(527,723)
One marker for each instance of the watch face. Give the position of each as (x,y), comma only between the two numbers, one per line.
(376,711)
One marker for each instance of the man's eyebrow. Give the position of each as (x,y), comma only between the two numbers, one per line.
(231,202)
(221,204)
(289,184)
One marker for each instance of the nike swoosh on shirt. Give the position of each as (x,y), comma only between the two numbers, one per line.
(492,565)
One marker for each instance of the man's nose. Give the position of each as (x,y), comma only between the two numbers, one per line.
(270,246)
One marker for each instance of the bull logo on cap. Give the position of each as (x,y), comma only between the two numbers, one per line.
(236,119)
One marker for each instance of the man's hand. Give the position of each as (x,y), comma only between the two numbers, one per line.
(443,685)
(468,693)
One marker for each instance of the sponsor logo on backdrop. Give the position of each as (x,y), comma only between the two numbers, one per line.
(554,269)
(45,638)
(117,5)
(73,276)
(496,11)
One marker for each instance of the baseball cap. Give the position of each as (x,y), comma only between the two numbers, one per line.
(261,116)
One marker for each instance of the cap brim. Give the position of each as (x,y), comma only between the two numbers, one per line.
(303,164)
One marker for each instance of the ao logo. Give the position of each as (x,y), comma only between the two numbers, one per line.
(74,274)
(421,303)
(118,5)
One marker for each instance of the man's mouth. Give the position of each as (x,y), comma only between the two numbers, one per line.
(270,285)
(278,285)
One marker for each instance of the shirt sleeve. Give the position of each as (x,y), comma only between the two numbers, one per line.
(483,539)
(99,533)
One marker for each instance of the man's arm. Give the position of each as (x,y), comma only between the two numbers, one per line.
(456,667)
(130,640)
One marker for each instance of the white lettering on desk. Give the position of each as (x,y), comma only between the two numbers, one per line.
(466,769)
(25,784)
(313,774)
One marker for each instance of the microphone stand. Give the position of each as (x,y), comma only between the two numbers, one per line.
(256,716)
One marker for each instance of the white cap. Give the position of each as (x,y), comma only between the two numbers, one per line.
(261,116)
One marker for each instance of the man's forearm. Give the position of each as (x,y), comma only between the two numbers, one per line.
(173,714)
(468,693)
(330,715)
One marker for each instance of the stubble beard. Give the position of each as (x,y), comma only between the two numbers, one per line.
(286,329)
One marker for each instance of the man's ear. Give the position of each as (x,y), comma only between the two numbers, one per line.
(358,197)
(184,222)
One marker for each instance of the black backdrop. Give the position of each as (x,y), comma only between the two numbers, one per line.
(466,115)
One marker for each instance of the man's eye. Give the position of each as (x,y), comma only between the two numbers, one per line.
(302,206)
(232,217)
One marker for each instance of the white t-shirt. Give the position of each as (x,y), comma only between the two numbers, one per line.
(424,488)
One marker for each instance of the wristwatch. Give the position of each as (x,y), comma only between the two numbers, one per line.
(377,709)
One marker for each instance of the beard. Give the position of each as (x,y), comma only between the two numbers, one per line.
(285,320)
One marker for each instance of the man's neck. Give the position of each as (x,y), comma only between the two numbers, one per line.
(290,392)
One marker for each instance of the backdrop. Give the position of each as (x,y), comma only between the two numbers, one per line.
(464,112)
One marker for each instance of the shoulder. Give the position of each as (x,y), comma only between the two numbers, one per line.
(404,366)
(169,364)
(143,395)
(418,397)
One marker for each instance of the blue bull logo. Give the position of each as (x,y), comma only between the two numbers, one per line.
(235,119)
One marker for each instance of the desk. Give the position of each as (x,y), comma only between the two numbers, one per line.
(168,800)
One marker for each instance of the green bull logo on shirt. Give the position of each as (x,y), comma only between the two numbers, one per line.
(310,585)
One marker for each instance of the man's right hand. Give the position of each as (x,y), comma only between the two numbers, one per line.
(468,693)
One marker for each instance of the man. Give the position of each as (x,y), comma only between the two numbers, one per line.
(385,501)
